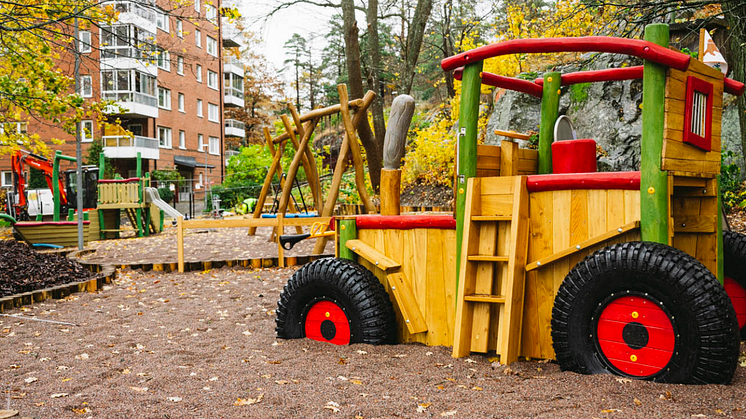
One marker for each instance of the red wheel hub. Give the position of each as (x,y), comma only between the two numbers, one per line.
(327,322)
(636,336)
(737,296)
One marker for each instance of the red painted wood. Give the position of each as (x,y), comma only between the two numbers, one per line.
(694,84)
(510,83)
(609,74)
(737,296)
(47,223)
(603,180)
(132,179)
(327,310)
(635,47)
(734,87)
(574,156)
(651,358)
(405,222)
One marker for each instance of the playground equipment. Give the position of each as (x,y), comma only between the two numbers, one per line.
(604,272)
(304,156)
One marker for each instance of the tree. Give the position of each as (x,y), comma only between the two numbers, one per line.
(296,50)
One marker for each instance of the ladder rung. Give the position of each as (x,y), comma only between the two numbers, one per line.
(487,258)
(491,218)
(485,298)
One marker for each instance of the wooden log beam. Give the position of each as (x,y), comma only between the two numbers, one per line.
(300,155)
(274,167)
(313,173)
(318,113)
(281,181)
(357,158)
(339,169)
(308,129)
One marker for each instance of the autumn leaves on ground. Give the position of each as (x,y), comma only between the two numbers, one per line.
(202,344)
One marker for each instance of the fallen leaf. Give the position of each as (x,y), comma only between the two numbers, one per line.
(667,396)
(356,382)
(470,361)
(422,407)
(274,362)
(82,356)
(342,361)
(610,410)
(247,333)
(30,380)
(362,352)
(623,380)
(82,410)
(139,389)
(448,413)
(477,388)
(333,406)
(126,371)
(58,395)
(174,399)
(637,402)
(246,402)
(281,382)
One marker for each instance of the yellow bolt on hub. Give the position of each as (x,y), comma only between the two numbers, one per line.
(635,314)
(327,315)
(633,358)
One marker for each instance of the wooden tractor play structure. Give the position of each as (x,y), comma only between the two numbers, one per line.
(604,272)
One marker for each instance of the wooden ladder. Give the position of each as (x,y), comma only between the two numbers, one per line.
(493,267)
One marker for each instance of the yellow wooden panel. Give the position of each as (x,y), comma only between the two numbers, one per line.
(578,223)
(502,185)
(561,226)
(596,212)
(614,209)
(536,340)
(405,300)
(436,290)
(497,310)
(483,285)
(631,206)
(496,204)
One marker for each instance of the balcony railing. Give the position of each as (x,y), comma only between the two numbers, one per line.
(232,60)
(232,91)
(130,141)
(139,8)
(144,54)
(232,123)
(135,97)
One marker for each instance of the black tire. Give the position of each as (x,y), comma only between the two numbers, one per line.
(734,253)
(704,329)
(348,285)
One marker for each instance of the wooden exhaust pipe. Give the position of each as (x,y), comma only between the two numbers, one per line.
(394,145)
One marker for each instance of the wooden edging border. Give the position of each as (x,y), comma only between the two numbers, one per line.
(105,275)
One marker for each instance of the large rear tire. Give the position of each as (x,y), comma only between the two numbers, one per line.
(734,253)
(337,301)
(646,311)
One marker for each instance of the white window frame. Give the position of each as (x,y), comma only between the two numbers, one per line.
(3,183)
(179,28)
(196,5)
(180,65)
(164,137)
(84,46)
(198,37)
(182,139)
(200,105)
(166,98)
(199,73)
(86,81)
(161,21)
(165,56)
(214,145)
(212,45)
(212,80)
(200,145)
(182,101)
(86,137)
(211,13)
(213,116)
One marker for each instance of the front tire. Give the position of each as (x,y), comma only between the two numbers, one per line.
(646,311)
(336,301)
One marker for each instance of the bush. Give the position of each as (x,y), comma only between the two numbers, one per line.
(166,194)
(732,190)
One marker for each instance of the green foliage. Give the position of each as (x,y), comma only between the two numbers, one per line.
(36,179)
(579,92)
(732,189)
(92,159)
(167,177)
(693,54)
(528,75)
(166,194)
(250,165)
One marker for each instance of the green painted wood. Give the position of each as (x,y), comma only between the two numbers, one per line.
(347,231)
(101,164)
(549,113)
(654,193)
(55,185)
(466,165)
(721,257)
(138,213)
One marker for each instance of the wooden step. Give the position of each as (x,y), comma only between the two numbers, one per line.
(488,258)
(485,298)
(487,218)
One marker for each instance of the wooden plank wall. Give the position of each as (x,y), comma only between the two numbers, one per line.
(694,212)
(488,161)
(428,259)
(678,156)
(528,161)
(64,235)
(558,220)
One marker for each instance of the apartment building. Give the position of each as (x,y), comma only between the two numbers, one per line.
(163,68)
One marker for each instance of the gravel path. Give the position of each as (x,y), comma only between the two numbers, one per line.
(202,345)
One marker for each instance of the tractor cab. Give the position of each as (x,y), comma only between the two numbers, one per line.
(89,187)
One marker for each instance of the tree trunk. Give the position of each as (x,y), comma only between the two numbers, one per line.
(737,21)
(448,46)
(355,86)
(374,84)
(414,41)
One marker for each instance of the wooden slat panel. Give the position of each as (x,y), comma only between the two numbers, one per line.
(369,253)
(483,285)
(614,209)
(407,303)
(496,204)
(561,222)
(436,289)
(578,223)
(536,341)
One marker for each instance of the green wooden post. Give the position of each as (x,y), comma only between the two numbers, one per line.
(549,113)
(653,181)
(70,214)
(55,185)
(347,231)
(101,164)
(148,208)
(721,257)
(101,170)
(466,163)
(138,211)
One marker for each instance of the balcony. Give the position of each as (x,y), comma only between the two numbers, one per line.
(127,147)
(234,128)
(233,98)
(231,35)
(140,13)
(232,65)
(133,103)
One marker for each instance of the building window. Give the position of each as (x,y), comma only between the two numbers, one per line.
(129,86)
(181,102)
(182,139)
(7,179)
(214,145)
(86,131)
(14,128)
(127,41)
(86,86)
(199,108)
(212,112)
(164,137)
(212,46)
(196,5)
(200,179)
(179,28)
(164,98)
(161,21)
(164,60)
(201,145)
(180,65)
(211,13)
(212,79)
(199,73)
(198,38)
(85,42)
